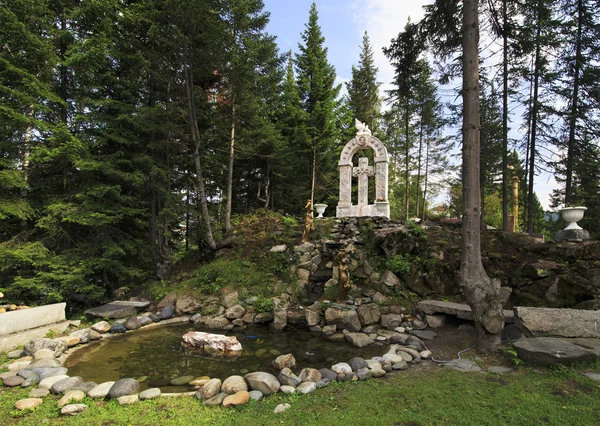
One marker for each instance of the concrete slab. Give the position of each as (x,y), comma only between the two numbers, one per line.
(117,309)
(460,310)
(26,319)
(12,341)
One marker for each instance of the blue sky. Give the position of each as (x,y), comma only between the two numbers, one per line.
(343,23)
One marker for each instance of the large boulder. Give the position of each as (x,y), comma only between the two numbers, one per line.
(264,382)
(342,318)
(230,299)
(558,322)
(211,342)
(548,351)
(218,323)
(359,339)
(235,312)
(391,321)
(283,361)
(234,384)
(369,314)
(288,378)
(186,304)
(210,389)
(123,387)
(56,346)
(101,390)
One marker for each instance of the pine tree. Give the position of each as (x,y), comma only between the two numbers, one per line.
(406,55)
(577,84)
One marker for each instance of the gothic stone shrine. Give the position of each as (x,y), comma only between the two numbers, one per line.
(380,205)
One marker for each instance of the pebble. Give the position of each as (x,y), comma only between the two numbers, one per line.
(306,387)
(215,400)
(17,353)
(101,327)
(28,403)
(182,380)
(199,381)
(73,409)
(127,399)
(149,394)
(13,381)
(74,395)
(101,390)
(38,393)
(281,408)
(238,398)
(49,381)
(287,389)
(256,395)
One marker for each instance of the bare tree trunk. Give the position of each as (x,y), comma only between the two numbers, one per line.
(481,292)
(426,176)
(418,199)
(574,107)
(527,152)
(195,134)
(504,116)
(230,170)
(406,163)
(314,176)
(534,117)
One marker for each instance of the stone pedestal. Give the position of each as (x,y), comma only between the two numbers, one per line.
(572,235)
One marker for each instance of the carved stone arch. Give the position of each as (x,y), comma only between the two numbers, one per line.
(363,141)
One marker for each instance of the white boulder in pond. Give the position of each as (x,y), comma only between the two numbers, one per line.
(209,341)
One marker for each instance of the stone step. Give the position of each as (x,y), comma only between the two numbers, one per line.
(460,310)
(117,309)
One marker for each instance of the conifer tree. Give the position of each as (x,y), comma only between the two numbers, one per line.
(316,77)
(363,88)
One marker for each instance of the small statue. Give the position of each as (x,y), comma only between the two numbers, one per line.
(361,127)
(342,262)
(309,223)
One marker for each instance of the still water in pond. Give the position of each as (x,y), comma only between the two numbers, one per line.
(158,355)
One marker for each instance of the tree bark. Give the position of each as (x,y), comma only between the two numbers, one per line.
(195,135)
(481,292)
(230,169)
(314,175)
(504,116)
(574,106)
(406,162)
(426,176)
(418,199)
(534,116)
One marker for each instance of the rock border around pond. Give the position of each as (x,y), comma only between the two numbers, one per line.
(40,365)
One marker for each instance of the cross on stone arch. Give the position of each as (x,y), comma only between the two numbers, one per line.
(363,141)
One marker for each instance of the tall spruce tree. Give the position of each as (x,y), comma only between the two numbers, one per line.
(363,88)
(316,77)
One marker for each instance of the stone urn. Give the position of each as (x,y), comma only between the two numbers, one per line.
(572,215)
(320,208)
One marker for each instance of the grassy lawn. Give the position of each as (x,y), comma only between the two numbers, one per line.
(421,396)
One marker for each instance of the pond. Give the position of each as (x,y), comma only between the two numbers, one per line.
(157,355)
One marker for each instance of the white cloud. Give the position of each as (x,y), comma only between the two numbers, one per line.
(383,20)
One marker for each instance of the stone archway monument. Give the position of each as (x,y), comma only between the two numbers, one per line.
(380,206)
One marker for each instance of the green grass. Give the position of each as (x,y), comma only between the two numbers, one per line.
(438,396)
